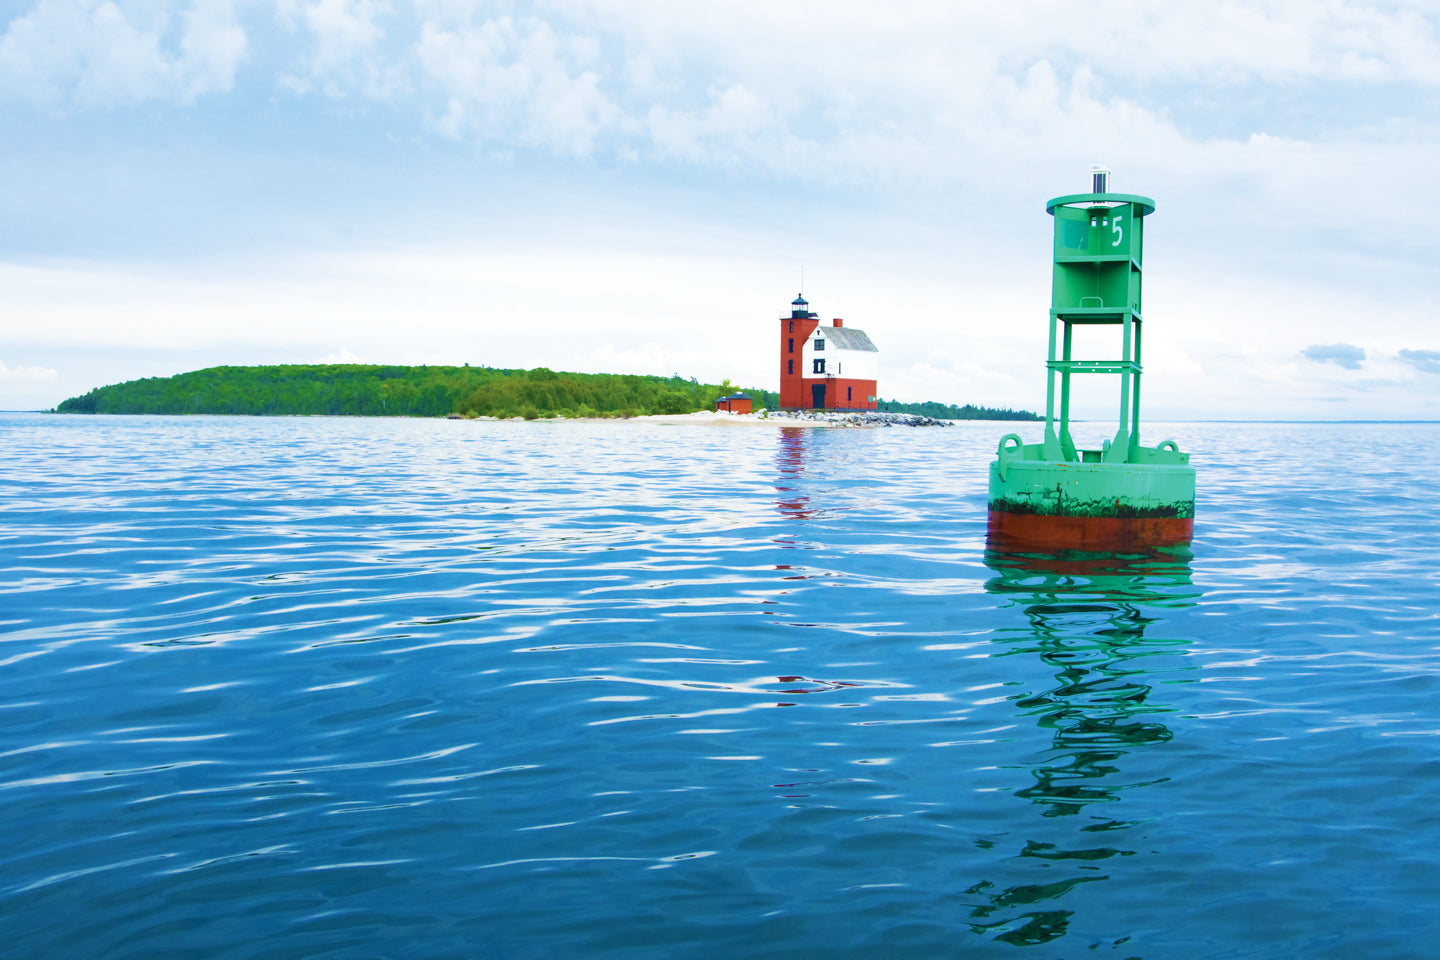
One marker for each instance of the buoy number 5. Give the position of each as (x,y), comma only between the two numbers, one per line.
(1115,229)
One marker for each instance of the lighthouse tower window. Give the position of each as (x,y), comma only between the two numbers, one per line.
(819,365)
(789,366)
(791,347)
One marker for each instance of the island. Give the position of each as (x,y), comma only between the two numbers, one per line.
(377,390)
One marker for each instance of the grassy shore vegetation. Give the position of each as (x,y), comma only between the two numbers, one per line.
(349,389)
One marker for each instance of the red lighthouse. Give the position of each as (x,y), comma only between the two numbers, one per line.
(825,367)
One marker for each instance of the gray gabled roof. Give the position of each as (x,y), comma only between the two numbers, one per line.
(846,338)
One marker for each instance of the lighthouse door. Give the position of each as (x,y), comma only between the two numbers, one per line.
(817,396)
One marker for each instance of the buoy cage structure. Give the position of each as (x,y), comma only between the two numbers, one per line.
(1123,495)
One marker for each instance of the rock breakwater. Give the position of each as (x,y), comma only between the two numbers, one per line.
(857,418)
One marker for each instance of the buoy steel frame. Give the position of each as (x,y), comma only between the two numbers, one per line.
(1123,495)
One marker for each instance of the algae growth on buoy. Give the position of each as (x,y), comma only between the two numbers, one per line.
(1124,495)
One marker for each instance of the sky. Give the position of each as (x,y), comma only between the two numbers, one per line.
(635,186)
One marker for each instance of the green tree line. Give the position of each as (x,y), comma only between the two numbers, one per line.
(949,411)
(399,391)
(365,390)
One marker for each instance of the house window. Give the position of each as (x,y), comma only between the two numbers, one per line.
(789,366)
(847,394)
(819,365)
(791,348)
(819,343)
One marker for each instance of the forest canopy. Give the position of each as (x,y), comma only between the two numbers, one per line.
(349,389)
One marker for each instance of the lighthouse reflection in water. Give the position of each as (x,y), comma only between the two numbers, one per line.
(791,498)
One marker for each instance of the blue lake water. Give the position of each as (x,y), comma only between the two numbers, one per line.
(362,688)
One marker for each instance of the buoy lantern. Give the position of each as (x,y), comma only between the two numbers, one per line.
(1123,495)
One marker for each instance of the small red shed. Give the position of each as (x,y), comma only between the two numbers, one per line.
(735,403)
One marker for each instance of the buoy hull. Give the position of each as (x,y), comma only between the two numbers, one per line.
(1090,506)
(1087,533)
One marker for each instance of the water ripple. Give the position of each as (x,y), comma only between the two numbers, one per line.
(352,688)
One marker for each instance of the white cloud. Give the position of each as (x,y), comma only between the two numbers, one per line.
(1271,40)
(212,46)
(103,53)
(83,48)
(26,374)
(516,82)
(922,91)
(351,52)
(344,30)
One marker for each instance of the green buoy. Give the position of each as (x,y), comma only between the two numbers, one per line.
(1124,494)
